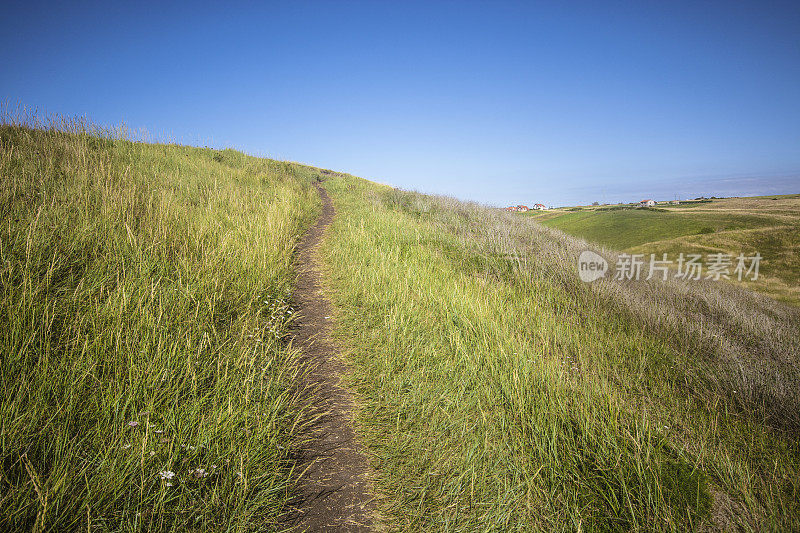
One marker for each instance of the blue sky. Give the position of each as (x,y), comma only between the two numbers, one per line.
(515,102)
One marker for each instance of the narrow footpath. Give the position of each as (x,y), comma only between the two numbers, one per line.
(335,489)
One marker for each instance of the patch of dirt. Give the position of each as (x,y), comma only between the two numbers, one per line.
(728,515)
(336,485)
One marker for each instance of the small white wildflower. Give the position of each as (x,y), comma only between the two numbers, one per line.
(125,446)
(169,484)
(152,454)
(166,474)
(158,431)
(133,424)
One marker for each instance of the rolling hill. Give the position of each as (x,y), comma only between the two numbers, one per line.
(150,381)
(769,225)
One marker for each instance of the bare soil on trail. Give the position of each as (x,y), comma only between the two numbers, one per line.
(336,485)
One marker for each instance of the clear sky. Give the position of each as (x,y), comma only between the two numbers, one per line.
(514,102)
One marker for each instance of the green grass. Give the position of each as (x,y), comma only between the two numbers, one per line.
(621,229)
(499,393)
(145,295)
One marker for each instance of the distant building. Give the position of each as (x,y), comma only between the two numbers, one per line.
(647,203)
(675,202)
(521,208)
(540,207)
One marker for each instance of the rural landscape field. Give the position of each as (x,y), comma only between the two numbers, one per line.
(768,224)
(332,266)
(151,378)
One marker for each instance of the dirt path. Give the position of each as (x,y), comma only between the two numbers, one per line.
(336,491)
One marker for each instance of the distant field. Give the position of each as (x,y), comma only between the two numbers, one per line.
(769,225)
(625,228)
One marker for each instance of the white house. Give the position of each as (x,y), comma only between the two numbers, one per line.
(647,203)
(540,207)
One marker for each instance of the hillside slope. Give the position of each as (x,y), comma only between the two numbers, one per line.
(145,295)
(146,299)
(501,393)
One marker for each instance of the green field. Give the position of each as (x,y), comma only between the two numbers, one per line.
(769,225)
(149,385)
(626,228)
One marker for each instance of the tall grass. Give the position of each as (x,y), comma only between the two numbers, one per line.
(145,295)
(501,393)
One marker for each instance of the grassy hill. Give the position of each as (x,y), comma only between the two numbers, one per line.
(769,225)
(501,393)
(145,292)
(146,296)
